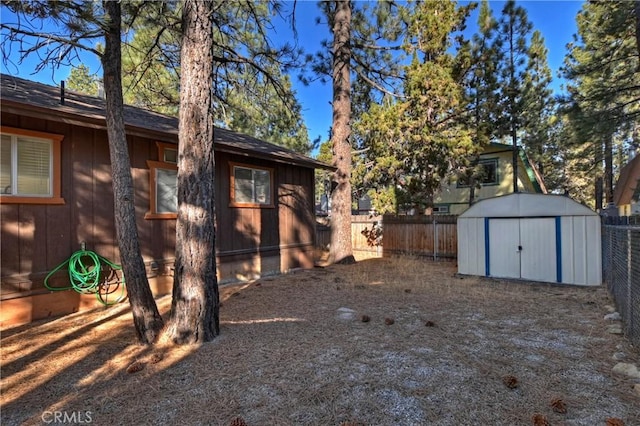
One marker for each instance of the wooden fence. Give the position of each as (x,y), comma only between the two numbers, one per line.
(434,236)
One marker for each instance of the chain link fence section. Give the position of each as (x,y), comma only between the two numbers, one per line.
(621,269)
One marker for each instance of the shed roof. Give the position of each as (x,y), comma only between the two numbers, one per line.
(30,98)
(527,205)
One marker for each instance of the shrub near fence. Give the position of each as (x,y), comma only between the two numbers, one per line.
(621,269)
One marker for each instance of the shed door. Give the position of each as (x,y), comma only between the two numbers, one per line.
(504,239)
(523,248)
(538,255)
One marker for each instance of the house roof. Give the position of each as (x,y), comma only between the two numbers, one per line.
(30,98)
(627,183)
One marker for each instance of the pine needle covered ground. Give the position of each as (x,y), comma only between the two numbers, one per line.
(397,341)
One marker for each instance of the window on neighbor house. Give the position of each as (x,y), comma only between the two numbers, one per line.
(29,167)
(251,186)
(441,209)
(488,173)
(163,183)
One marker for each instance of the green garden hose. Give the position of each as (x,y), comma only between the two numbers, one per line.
(86,275)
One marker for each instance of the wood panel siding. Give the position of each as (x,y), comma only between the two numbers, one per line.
(37,238)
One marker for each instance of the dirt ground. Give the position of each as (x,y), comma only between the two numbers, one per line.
(437,349)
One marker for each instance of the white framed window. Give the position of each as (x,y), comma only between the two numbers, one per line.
(488,173)
(251,186)
(166,190)
(163,183)
(29,167)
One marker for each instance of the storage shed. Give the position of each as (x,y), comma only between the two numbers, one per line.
(537,237)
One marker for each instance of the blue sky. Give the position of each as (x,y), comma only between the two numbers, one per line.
(554,19)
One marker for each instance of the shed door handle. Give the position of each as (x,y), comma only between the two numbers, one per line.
(519,248)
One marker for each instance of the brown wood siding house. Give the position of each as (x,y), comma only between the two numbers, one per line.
(264,198)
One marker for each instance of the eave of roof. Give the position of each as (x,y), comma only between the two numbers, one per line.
(25,97)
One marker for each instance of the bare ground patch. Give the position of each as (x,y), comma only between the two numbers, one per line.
(294,350)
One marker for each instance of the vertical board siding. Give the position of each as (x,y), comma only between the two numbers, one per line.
(434,236)
(38,238)
(471,250)
(594,242)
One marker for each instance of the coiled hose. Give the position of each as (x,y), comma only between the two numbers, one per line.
(86,276)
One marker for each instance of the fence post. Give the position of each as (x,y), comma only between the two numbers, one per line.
(630,313)
(435,238)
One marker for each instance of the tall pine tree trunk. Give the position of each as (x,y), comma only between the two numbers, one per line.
(195,305)
(608,169)
(637,11)
(146,318)
(341,247)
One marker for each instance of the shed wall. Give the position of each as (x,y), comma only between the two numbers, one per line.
(581,250)
(471,246)
(579,240)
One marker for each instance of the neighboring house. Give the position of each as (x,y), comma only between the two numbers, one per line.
(626,195)
(497,162)
(55,177)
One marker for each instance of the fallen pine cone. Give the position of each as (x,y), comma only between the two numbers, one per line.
(430,324)
(365,318)
(559,406)
(389,321)
(539,420)
(510,381)
(614,421)
(238,421)
(155,358)
(135,367)
(407,290)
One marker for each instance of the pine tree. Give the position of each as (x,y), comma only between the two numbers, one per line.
(146,317)
(251,90)
(415,141)
(603,66)
(151,59)
(360,55)
(512,44)
(479,60)
(195,304)
(539,106)
(82,81)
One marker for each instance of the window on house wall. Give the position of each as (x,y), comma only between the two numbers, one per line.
(29,167)
(441,208)
(163,183)
(488,174)
(251,186)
